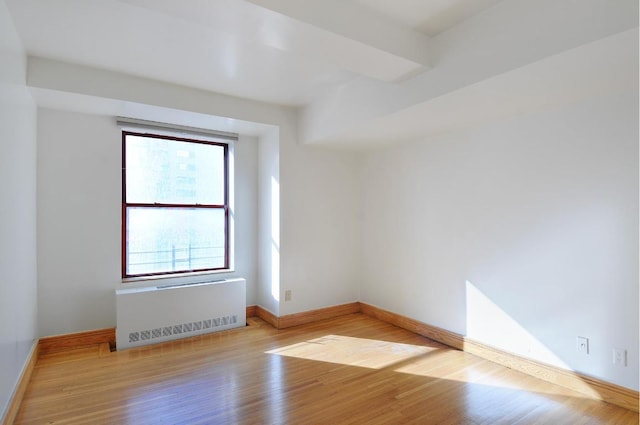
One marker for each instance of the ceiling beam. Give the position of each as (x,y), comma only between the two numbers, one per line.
(460,61)
(347,35)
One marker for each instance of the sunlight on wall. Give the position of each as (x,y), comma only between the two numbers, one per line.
(275,239)
(488,323)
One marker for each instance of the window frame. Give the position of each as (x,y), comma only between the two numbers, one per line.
(125,205)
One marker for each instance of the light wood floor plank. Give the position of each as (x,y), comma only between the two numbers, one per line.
(352,369)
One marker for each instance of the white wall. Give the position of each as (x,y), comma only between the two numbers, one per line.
(18,302)
(319,230)
(309,224)
(295,230)
(522,234)
(79,162)
(246,213)
(79,196)
(269,222)
(320,225)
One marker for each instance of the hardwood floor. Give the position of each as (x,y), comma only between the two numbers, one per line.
(349,370)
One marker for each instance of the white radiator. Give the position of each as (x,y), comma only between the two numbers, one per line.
(157,314)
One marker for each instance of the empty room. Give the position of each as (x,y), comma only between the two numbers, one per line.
(319,212)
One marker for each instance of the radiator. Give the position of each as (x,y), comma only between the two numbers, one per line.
(157,314)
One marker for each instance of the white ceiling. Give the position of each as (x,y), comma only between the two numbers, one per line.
(155,43)
(235,47)
(359,71)
(592,70)
(428,16)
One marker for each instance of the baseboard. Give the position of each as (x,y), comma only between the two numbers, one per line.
(252,310)
(587,385)
(290,320)
(267,316)
(443,336)
(55,343)
(21,387)
(296,319)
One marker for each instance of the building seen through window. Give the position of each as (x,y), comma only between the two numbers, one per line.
(175,205)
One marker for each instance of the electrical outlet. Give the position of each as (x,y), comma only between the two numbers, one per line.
(620,357)
(287,295)
(582,345)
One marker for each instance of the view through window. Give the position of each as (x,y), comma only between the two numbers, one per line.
(175,211)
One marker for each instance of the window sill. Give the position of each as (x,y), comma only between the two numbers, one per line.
(171,279)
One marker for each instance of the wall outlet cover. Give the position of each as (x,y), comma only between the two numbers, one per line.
(582,344)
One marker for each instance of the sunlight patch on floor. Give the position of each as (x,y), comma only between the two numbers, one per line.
(451,365)
(351,351)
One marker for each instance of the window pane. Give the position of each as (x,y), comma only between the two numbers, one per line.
(164,240)
(173,172)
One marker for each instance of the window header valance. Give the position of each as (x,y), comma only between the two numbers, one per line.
(135,124)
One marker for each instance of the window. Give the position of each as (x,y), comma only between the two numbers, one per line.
(175,205)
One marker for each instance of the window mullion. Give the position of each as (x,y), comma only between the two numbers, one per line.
(158,205)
